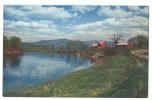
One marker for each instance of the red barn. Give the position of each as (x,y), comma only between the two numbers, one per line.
(99,45)
(127,45)
(102,44)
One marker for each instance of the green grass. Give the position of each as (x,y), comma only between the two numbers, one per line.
(120,75)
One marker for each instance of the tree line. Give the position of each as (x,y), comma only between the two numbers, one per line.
(139,41)
(13,42)
(72,46)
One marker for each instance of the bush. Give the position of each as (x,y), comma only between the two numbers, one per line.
(114,51)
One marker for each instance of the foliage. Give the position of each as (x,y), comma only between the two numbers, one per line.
(139,41)
(75,45)
(15,42)
(72,46)
(5,42)
(52,47)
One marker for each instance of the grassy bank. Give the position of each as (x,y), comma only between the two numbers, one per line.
(119,75)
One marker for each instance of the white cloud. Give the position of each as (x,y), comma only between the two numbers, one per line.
(82,8)
(10,10)
(98,25)
(38,12)
(10,33)
(29,24)
(33,22)
(32,35)
(32,30)
(118,12)
(134,8)
(145,10)
(138,10)
(99,29)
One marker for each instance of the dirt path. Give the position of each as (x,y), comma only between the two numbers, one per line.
(142,53)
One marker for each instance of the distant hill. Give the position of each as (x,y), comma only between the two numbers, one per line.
(50,42)
(88,43)
(59,42)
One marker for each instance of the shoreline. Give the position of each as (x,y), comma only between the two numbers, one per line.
(116,76)
(10,52)
(93,56)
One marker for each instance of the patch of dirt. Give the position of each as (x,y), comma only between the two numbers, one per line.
(143,53)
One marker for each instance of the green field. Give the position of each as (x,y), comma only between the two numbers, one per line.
(119,74)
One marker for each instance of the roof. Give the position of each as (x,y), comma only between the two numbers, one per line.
(123,44)
(101,42)
(94,44)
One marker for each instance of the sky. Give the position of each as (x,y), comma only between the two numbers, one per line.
(46,22)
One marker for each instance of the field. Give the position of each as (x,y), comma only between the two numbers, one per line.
(117,74)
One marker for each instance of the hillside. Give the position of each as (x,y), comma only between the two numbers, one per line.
(59,42)
(120,74)
(49,42)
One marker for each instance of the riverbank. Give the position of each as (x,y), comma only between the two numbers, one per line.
(142,53)
(10,51)
(117,74)
(93,54)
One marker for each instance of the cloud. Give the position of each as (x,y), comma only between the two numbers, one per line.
(145,10)
(36,34)
(136,21)
(118,12)
(134,8)
(10,33)
(138,10)
(98,25)
(37,12)
(104,28)
(26,24)
(29,24)
(83,9)
(32,30)
(34,23)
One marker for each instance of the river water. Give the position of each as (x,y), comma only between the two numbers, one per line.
(33,68)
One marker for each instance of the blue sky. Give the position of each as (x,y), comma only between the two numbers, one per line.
(42,22)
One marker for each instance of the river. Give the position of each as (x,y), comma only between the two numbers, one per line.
(33,68)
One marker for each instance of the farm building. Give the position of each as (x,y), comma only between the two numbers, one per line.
(94,45)
(102,44)
(99,45)
(127,45)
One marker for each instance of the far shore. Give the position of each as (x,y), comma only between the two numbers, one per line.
(9,52)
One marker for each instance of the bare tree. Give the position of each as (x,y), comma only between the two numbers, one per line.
(116,38)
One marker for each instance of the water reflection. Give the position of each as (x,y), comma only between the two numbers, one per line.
(35,68)
(13,60)
(61,55)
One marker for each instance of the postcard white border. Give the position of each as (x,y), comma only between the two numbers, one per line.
(74,2)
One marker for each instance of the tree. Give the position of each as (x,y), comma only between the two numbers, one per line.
(15,42)
(5,42)
(140,41)
(75,45)
(52,47)
(61,48)
(116,37)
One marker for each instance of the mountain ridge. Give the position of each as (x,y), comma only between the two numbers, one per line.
(62,42)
